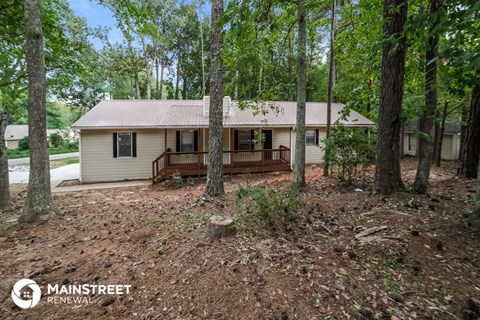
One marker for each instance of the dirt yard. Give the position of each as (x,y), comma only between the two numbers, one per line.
(422,263)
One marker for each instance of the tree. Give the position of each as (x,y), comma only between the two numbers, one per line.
(39,198)
(427,121)
(472,138)
(331,76)
(215,123)
(299,169)
(387,166)
(475,216)
(5,201)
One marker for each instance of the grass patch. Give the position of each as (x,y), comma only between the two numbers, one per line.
(16,154)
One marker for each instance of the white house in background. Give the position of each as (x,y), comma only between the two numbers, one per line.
(14,133)
(450,143)
(151,139)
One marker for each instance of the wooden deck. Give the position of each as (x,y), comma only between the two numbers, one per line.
(245,161)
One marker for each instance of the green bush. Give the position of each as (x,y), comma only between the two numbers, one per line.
(23,144)
(276,210)
(347,149)
(55,140)
(174,181)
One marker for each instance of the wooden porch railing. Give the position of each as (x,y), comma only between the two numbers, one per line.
(195,163)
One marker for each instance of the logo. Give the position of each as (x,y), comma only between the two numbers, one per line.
(26,293)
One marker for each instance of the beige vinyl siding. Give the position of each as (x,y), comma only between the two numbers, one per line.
(281,137)
(313,154)
(98,163)
(450,145)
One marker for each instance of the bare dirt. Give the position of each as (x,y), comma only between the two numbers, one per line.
(422,263)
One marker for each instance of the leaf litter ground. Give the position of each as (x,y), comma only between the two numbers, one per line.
(353,256)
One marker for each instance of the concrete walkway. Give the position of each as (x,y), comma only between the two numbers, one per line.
(68,172)
(106,185)
(12,162)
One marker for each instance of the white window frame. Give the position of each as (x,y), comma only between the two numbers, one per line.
(131,144)
(314,137)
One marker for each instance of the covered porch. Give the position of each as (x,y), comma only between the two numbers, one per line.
(238,161)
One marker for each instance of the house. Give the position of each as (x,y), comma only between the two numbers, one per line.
(450,142)
(14,133)
(151,139)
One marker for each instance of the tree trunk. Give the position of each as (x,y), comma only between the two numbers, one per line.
(214,185)
(39,198)
(5,200)
(331,75)
(137,86)
(299,169)
(161,75)
(148,70)
(472,136)
(463,132)
(475,217)
(402,140)
(203,60)
(421,182)
(439,140)
(156,78)
(387,167)
(177,82)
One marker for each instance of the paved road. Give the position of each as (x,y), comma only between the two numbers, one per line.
(68,172)
(52,157)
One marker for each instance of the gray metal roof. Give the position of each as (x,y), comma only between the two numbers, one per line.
(18,131)
(188,113)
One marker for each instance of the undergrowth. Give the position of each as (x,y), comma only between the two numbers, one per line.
(269,209)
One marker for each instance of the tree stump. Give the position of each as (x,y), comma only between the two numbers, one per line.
(220,227)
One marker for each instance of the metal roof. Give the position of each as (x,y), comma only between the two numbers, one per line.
(18,131)
(189,113)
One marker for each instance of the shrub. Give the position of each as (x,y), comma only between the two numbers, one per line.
(55,140)
(23,144)
(348,148)
(174,181)
(276,210)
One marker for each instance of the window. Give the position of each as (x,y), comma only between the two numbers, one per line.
(243,140)
(124,144)
(311,137)
(186,141)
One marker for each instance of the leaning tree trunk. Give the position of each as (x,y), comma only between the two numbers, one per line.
(299,168)
(214,185)
(5,200)
(421,182)
(471,152)
(387,166)
(331,71)
(39,198)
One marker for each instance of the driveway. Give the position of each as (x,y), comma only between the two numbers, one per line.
(68,172)
(12,162)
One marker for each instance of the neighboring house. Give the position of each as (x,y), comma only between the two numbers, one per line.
(142,139)
(450,143)
(14,133)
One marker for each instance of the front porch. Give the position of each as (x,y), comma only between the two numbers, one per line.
(238,161)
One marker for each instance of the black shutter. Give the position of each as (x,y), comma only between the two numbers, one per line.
(252,137)
(235,139)
(134,144)
(317,142)
(115,153)
(177,146)
(195,140)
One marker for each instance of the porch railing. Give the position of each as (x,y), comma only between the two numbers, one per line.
(195,163)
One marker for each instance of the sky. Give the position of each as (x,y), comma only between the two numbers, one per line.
(97,15)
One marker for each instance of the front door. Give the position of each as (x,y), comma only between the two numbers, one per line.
(267,144)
